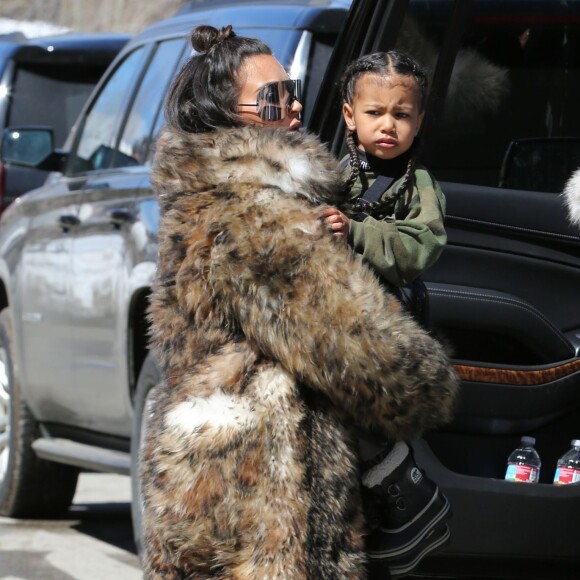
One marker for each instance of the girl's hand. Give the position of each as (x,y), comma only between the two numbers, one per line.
(336,222)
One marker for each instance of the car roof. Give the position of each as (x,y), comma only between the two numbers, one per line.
(298,14)
(70,47)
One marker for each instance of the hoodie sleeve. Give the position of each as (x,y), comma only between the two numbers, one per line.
(305,300)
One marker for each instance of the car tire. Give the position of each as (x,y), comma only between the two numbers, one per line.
(30,487)
(149,377)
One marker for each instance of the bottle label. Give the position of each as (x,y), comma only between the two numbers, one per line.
(525,473)
(565,475)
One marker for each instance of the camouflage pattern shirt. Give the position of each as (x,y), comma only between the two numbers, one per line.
(403,238)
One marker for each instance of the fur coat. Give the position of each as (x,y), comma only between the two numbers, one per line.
(572,197)
(275,340)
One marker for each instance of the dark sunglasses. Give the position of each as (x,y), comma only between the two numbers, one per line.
(275,99)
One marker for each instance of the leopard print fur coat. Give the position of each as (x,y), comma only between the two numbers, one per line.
(275,340)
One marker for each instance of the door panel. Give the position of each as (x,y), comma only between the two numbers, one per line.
(103,254)
(506,286)
(46,345)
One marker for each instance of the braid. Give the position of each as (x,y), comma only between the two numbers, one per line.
(407,183)
(354,162)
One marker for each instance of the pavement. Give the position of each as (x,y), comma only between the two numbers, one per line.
(94,541)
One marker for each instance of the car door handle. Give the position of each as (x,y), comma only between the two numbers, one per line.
(68,221)
(120,216)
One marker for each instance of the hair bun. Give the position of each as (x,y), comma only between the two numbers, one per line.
(205,37)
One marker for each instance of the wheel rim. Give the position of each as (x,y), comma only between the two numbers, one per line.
(4,414)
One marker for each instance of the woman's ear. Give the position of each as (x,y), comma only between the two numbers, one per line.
(348,115)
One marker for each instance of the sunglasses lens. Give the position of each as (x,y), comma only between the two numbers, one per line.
(271,113)
(275,99)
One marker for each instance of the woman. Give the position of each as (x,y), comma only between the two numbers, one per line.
(274,338)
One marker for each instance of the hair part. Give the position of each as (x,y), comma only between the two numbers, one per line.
(205,93)
(385,65)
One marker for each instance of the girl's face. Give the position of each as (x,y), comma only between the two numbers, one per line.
(258,71)
(385,114)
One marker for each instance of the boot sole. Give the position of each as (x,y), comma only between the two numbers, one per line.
(394,537)
(403,566)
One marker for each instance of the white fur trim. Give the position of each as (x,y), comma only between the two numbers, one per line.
(571,196)
(376,474)
(217,411)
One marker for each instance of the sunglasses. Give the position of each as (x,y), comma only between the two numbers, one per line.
(275,100)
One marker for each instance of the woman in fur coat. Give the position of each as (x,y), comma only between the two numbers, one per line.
(275,340)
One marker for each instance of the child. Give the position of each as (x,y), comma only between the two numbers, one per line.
(395,221)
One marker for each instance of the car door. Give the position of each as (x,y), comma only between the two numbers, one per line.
(107,239)
(41,305)
(504,294)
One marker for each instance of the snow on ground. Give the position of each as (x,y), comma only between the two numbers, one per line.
(30,29)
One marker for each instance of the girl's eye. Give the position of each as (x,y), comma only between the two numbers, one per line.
(401,115)
(373,113)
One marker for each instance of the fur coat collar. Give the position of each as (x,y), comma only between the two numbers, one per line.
(297,163)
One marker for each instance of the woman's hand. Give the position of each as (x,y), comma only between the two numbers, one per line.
(336,222)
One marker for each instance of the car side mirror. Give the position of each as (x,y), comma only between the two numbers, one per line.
(31,147)
(540,164)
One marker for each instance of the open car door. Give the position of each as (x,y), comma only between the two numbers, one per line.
(502,135)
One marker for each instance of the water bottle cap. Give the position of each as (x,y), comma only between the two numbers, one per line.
(528,441)
(575,442)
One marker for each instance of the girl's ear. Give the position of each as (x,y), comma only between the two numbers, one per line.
(348,115)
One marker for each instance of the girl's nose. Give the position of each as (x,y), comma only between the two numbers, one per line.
(388,123)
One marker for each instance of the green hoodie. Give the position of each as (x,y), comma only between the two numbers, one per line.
(403,242)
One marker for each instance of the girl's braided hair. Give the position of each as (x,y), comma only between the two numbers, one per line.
(384,64)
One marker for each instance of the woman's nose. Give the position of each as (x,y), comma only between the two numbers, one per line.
(296,106)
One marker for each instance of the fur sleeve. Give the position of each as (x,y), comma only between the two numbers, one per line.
(571,196)
(307,302)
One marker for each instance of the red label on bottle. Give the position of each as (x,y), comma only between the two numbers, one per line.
(525,473)
(565,475)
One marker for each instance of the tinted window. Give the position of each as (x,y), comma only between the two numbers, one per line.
(516,79)
(96,144)
(134,143)
(64,90)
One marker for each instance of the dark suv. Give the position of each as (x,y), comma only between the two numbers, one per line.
(46,81)
(78,255)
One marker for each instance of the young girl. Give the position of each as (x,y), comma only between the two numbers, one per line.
(394,219)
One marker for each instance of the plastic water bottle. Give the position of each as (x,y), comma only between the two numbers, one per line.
(524,463)
(568,466)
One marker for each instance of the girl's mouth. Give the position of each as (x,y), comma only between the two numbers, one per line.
(386,143)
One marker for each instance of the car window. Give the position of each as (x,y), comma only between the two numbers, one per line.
(134,143)
(510,115)
(64,91)
(96,143)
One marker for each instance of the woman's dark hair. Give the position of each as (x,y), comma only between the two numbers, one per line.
(385,64)
(205,93)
